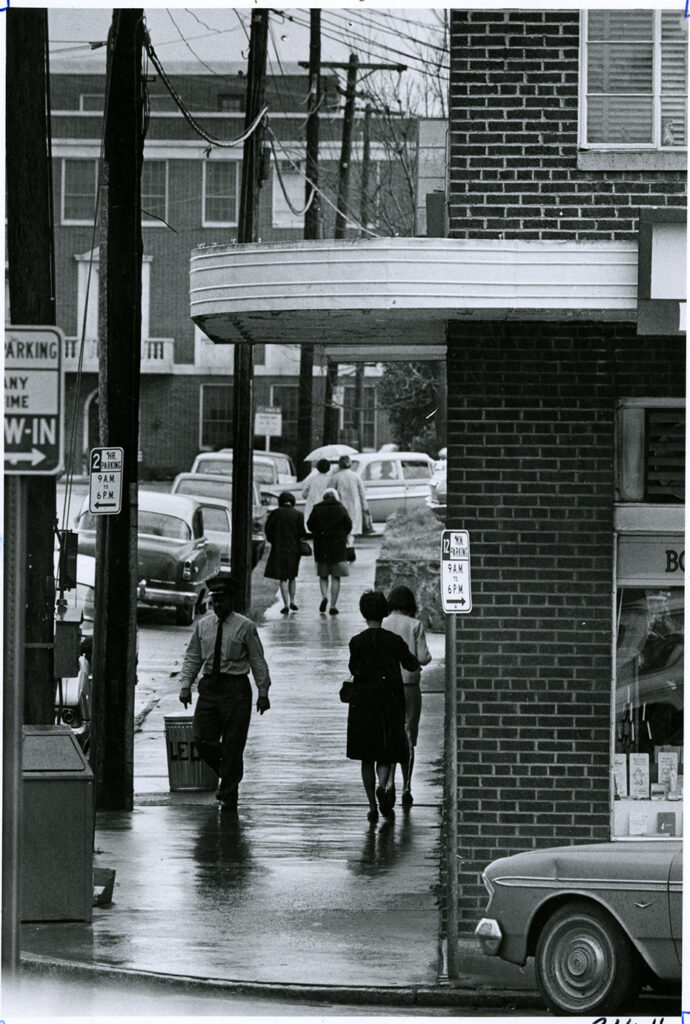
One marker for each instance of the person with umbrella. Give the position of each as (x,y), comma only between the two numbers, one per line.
(315,484)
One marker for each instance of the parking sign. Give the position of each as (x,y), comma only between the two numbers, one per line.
(456,589)
(105,481)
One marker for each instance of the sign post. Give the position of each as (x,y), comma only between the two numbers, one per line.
(456,597)
(268,420)
(105,481)
(33,401)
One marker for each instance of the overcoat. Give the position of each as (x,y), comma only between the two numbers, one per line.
(329,525)
(284,530)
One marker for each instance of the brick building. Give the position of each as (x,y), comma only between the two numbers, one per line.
(190,197)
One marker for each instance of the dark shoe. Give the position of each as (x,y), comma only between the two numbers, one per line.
(406,799)
(324,605)
(333,611)
(390,793)
(228,806)
(382,800)
(373,816)
(218,796)
(294,608)
(285,611)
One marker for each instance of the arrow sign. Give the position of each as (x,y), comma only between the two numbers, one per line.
(34,457)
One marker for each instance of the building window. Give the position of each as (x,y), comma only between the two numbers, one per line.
(293,184)
(648,718)
(650,463)
(154,192)
(229,103)
(220,193)
(79,191)
(215,416)
(87,295)
(349,433)
(286,398)
(93,102)
(635,73)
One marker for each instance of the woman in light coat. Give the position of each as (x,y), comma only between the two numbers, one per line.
(314,486)
(350,490)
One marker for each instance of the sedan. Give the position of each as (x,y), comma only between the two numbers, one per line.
(208,489)
(174,556)
(600,920)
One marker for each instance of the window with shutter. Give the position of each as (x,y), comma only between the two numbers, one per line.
(635,79)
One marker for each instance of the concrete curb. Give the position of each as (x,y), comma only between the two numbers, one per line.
(445,994)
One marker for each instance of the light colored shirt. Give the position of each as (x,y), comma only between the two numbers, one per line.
(351,493)
(241,649)
(412,632)
(313,489)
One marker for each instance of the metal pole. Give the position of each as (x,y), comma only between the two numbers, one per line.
(451,783)
(12,716)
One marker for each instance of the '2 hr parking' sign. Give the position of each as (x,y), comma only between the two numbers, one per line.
(456,589)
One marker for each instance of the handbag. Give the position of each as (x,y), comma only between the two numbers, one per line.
(347,691)
(304,547)
(367,522)
(350,555)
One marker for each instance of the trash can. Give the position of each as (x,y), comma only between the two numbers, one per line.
(186,770)
(57,826)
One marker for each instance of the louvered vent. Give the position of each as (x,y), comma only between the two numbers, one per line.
(665,455)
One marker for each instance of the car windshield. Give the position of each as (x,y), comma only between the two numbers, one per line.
(215,519)
(416,469)
(157,524)
(205,488)
(222,466)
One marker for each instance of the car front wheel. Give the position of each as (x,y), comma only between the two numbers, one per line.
(584,963)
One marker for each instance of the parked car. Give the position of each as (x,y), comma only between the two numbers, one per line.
(287,474)
(174,555)
(213,488)
(600,920)
(265,469)
(73,693)
(394,481)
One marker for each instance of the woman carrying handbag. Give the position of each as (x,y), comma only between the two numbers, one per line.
(285,533)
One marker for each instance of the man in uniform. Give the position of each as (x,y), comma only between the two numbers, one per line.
(223,647)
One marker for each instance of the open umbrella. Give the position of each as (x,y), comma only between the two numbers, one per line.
(330,452)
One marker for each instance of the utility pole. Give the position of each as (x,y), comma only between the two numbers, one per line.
(312,229)
(32,301)
(121,249)
(29,507)
(363,219)
(243,381)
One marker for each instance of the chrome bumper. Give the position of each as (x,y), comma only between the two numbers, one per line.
(489,934)
(159,595)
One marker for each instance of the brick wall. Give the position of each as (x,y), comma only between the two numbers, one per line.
(530,419)
(514,124)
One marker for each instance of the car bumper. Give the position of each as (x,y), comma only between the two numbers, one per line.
(159,596)
(489,934)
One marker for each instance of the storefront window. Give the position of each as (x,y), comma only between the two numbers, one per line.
(648,761)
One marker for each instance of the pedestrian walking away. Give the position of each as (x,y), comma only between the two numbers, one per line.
(315,484)
(402,609)
(285,531)
(224,647)
(376,716)
(330,524)
(350,490)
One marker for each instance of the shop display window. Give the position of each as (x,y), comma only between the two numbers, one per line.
(648,760)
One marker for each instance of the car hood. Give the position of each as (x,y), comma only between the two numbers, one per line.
(601,860)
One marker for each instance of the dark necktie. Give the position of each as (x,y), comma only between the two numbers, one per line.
(215,671)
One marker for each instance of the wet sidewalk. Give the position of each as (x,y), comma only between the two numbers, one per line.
(297,891)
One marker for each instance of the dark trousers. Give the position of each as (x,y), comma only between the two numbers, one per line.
(221,724)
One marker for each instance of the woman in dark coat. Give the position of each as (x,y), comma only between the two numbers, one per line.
(330,524)
(284,530)
(376,718)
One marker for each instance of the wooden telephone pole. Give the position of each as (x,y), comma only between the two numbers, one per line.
(313,228)
(243,381)
(115,618)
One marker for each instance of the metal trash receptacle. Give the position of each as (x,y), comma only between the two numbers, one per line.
(57,826)
(186,770)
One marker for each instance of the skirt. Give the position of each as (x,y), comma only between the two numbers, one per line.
(337,569)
